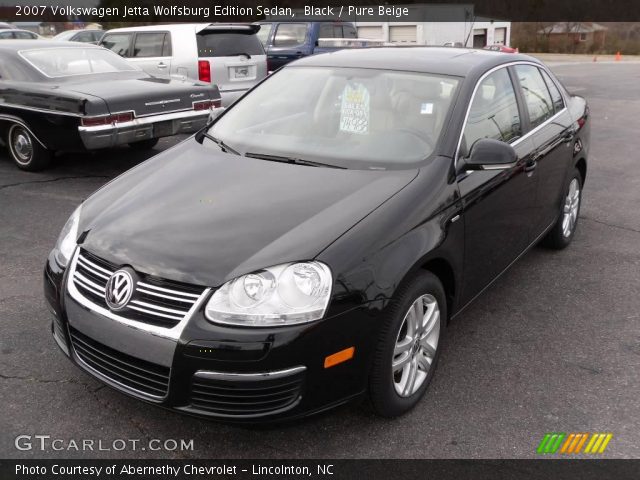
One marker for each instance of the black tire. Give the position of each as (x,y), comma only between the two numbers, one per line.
(557,238)
(145,144)
(385,400)
(26,151)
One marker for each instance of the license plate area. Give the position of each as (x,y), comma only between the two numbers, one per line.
(242,72)
(163,129)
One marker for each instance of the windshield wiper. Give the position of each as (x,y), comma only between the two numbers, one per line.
(292,160)
(220,143)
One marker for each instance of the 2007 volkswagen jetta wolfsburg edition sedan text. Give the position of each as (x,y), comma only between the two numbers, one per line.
(310,245)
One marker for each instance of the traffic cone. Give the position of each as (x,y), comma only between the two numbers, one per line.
(618,56)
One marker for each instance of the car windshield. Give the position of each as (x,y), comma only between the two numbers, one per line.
(63,62)
(348,117)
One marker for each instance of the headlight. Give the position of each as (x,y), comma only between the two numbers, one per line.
(282,295)
(66,243)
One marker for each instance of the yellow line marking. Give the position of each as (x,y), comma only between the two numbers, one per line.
(607,439)
(591,442)
(596,445)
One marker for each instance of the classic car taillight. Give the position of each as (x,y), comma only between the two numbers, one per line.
(204,71)
(206,104)
(107,119)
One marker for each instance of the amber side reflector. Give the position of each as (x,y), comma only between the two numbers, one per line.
(339,357)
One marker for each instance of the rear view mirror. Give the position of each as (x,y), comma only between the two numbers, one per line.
(488,154)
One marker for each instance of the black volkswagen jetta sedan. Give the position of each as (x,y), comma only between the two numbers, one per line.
(310,245)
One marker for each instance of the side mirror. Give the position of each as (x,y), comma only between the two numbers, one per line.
(215,113)
(490,154)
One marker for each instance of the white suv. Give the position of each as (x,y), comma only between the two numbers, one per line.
(229,56)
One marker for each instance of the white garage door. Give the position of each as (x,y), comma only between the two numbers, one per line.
(370,33)
(403,34)
(499,36)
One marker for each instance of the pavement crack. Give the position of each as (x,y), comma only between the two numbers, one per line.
(628,229)
(51,180)
(29,378)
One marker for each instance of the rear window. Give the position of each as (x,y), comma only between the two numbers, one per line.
(63,62)
(290,34)
(228,44)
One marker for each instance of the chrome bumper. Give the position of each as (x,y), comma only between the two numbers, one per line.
(143,128)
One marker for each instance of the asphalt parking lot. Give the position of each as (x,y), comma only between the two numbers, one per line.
(552,346)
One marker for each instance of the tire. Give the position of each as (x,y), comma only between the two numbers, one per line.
(145,144)
(391,393)
(562,233)
(26,151)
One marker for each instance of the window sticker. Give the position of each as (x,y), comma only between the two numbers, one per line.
(355,109)
(426,108)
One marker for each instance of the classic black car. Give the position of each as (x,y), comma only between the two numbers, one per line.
(311,245)
(62,96)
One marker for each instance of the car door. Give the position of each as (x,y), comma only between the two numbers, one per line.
(497,203)
(288,44)
(552,136)
(152,52)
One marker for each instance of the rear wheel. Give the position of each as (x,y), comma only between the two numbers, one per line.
(409,346)
(562,233)
(26,151)
(145,144)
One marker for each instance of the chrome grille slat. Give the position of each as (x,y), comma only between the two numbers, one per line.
(96,269)
(162,295)
(167,290)
(162,306)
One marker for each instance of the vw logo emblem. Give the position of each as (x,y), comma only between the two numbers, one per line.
(119,290)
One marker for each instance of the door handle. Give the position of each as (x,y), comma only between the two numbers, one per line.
(162,65)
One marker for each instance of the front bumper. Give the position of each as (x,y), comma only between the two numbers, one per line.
(207,370)
(143,128)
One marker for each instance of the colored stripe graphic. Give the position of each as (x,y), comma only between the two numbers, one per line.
(572,443)
(551,442)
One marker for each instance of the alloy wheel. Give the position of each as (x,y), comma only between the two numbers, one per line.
(416,345)
(571,205)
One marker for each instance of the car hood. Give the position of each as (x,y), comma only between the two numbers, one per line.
(197,215)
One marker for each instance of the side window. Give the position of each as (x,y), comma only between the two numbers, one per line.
(118,43)
(536,94)
(25,35)
(263,33)
(290,34)
(85,37)
(97,36)
(556,96)
(148,45)
(5,35)
(494,112)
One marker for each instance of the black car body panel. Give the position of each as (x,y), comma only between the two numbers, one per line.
(53,108)
(200,216)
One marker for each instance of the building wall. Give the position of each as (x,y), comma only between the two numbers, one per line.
(436,33)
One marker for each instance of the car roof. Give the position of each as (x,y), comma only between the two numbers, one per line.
(185,26)
(17,45)
(461,62)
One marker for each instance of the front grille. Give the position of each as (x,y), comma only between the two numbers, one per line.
(134,373)
(155,301)
(244,397)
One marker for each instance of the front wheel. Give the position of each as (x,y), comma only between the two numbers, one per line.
(562,233)
(25,150)
(409,346)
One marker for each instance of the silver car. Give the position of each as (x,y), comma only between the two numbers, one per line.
(229,56)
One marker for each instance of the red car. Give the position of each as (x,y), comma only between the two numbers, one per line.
(501,48)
